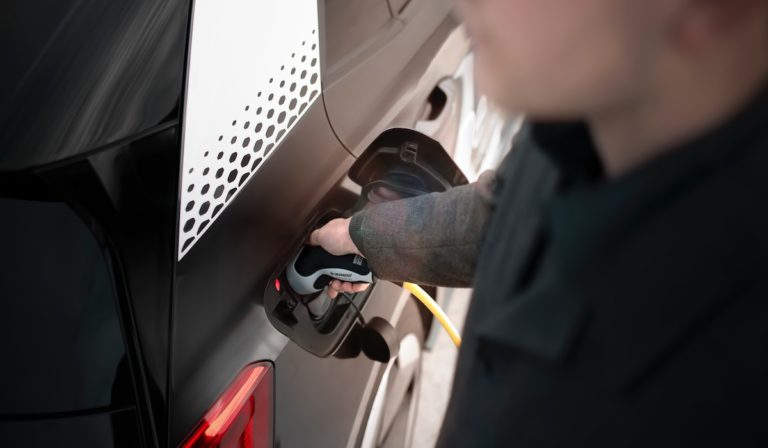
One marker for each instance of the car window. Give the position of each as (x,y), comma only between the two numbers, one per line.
(60,340)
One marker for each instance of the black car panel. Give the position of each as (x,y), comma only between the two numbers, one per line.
(130,193)
(82,74)
(126,196)
(61,305)
(119,428)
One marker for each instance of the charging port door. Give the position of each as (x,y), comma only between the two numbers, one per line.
(404,163)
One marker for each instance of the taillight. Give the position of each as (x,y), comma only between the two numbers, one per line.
(242,416)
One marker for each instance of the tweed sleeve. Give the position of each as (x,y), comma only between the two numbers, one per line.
(433,239)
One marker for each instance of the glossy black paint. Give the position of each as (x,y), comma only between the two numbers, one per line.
(78,75)
(127,195)
(118,429)
(92,76)
(57,288)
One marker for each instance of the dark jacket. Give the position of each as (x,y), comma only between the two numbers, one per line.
(630,312)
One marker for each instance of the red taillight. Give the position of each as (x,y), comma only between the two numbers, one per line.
(242,416)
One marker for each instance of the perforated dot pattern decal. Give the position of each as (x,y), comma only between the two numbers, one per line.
(216,166)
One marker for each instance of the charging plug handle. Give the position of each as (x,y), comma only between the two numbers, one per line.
(313,268)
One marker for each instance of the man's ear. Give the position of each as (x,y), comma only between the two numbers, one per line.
(701,22)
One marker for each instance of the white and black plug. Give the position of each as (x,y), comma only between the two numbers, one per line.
(313,268)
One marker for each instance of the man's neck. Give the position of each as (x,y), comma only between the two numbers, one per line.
(629,136)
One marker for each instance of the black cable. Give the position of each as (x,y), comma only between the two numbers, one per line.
(311,314)
(358,313)
(357,310)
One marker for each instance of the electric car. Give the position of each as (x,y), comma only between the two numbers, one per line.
(161,162)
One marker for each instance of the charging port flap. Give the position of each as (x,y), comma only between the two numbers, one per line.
(407,163)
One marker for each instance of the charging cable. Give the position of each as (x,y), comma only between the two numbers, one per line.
(428,302)
(313,267)
(436,311)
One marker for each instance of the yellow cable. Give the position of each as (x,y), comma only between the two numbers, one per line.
(435,309)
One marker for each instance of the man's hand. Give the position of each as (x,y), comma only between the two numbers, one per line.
(334,238)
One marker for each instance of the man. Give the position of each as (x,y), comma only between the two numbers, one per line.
(621,279)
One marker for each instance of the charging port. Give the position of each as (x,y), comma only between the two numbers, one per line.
(315,322)
(399,163)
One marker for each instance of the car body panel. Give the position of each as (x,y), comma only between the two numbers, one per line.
(365,93)
(125,196)
(86,74)
(119,428)
(48,252)
(316,391)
